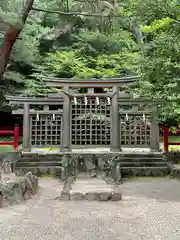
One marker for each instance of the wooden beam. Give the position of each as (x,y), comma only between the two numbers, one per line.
(91,83)
(15,100)
(21,111)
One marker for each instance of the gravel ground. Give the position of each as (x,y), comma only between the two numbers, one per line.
(150,210)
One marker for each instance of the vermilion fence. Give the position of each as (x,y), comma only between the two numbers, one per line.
(170,132)
(4,128)
(15,133)
(166,141)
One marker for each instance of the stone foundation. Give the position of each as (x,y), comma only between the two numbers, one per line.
(130,172)
(102,165)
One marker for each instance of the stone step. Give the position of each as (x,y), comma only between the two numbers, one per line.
(58,156)
(156,167)
(45,167)
(122,164)
(52,163)
(91,190)
(127,167)
(120,160)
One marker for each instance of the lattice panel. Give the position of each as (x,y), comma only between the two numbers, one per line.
(46,130)
(91,122)
(135,130)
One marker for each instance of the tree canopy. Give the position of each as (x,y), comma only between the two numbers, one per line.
(96,38)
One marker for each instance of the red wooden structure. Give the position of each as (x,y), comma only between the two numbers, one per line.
(4,128)
(166,142)
(15,133)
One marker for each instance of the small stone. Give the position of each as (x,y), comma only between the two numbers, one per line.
(116,196)
(147,172)
(30,176)
(35,184)
(17,193)
(93,174)
(22,184)
(76,196)
(28,184)
(92,196)
(27,195)
(137,172)
(31,182)
(65,196)
(104,196)
(56,198)
(175,173)
(1,199)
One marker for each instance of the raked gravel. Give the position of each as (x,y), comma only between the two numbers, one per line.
(150,210)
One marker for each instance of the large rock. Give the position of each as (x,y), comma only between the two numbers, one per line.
(14,189)
(11,191)
(31,182)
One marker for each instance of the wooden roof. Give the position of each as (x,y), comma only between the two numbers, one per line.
(91,83)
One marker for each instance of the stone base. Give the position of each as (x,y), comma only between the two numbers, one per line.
(91,190)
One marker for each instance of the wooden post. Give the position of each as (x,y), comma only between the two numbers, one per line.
(16,138)
(90,90)
(46,107)
(154,141)
(115,124)
(66,139)
(26,129)
(166,145)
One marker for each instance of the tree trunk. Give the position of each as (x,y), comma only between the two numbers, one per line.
(11,35)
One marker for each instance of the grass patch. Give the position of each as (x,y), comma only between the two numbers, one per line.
(174,138)
(48,176)
(171,139)
(173,148)
(6,148)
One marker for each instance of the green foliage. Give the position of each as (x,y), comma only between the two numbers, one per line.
(157,25)
(94,55)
